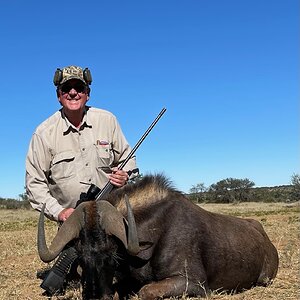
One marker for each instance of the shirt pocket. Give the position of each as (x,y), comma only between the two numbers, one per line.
(63,166)
(105,156)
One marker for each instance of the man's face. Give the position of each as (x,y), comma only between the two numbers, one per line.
(73,95)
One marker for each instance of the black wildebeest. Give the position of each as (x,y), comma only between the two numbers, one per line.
(181,248)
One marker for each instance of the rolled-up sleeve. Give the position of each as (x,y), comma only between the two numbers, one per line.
(37,165)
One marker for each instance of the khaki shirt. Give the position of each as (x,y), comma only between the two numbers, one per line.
(63,161)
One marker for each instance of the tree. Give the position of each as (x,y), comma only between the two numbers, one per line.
(231,189)
(295,181)
(23,197)
(219,192)
(198,188)
(197,192)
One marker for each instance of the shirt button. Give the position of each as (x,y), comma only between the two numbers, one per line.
(86,164)
(83,149)
(90,180)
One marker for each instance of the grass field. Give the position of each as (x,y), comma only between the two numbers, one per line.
(19,260)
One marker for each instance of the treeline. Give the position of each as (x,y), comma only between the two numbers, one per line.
(8,203)
(233,190)
(259,194)
(229,190)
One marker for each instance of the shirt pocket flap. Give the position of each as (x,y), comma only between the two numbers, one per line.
(63,156)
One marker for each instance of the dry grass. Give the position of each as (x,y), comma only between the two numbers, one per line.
(19,260)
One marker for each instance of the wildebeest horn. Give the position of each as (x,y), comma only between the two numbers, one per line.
(112,221)
(69,230)
(133,242)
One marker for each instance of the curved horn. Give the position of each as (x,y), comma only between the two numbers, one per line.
(67,232)
(133,242)
(112,221)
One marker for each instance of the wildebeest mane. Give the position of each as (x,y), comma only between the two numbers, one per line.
(157,185)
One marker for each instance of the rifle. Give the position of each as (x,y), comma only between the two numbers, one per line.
(94,192)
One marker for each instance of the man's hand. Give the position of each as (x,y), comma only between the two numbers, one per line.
(118,177)
(65,214)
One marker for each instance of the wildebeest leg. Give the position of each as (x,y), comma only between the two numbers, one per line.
(172,287)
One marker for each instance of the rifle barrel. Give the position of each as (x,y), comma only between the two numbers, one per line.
(109,186)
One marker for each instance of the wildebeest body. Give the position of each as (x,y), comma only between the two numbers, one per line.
(184,249)
(199,249)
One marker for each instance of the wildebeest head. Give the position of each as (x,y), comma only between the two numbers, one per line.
(94,226)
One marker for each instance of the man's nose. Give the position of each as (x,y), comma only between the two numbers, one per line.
(73,92)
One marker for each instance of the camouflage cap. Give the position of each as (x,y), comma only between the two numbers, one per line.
(72,72)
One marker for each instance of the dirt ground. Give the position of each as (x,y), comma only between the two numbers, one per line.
(19,260)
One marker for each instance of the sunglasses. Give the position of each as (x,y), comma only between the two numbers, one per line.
(78,86)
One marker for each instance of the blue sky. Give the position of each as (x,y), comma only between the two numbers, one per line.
(227,72)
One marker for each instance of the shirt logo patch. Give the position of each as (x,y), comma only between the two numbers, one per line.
(102,143)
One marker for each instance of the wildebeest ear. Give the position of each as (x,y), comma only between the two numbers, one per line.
(144,245)
(146,250)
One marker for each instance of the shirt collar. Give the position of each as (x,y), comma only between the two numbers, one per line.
(69,127)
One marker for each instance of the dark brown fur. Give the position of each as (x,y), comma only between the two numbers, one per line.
(98,256)
(187,250)
(183,248)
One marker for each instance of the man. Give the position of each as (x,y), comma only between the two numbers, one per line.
(77,146)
